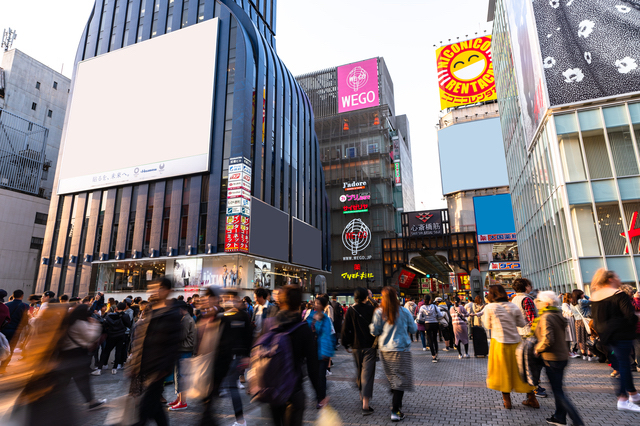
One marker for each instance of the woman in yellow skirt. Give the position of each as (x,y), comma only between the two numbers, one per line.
(502,318)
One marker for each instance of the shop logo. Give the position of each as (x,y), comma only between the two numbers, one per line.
(357,78)
(136,170)
(633,232)
(424,217)
(343,198)
(356,236)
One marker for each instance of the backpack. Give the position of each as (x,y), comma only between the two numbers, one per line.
(273,376)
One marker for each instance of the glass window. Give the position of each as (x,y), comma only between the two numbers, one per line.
(578,193)
(604,190)
(622,266)
(588,267)
(595,150)
(624,157)
(629,188)
(586,237)
(571,154)
(611,229)
(590,120)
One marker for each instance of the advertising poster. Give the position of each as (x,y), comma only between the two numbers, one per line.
(358,86)
(494,219)
(576,39)
(528,66)
(187,273)
(405,279)
(425,223)
(465,73)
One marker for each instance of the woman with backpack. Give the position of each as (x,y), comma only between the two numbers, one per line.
(581,310)
(321,326)
(615,319)
(392,323)
(503,319)
(459,317)
(427,319)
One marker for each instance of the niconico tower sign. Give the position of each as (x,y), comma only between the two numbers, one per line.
(356,236)
(358,85)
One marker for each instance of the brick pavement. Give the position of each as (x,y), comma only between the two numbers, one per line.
(451,392)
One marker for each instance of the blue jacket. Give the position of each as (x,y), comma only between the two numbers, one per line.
(324,333)
(16,310)
(393,338)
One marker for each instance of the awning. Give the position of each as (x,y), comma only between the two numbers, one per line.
(429,263)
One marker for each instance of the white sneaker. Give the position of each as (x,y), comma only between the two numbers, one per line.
(329,373)
(628,405)
(240,424)
(459,356)
(466,356)
(114,371)
(584,357)
(96,372)
(119,367)
(240,385)
(424,349)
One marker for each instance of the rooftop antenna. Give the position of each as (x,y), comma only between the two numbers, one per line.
(8,36)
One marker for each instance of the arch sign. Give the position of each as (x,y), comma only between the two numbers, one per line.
(465,73)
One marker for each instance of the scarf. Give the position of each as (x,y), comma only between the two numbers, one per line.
(541,313)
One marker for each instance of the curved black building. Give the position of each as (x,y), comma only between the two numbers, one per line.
(114,234)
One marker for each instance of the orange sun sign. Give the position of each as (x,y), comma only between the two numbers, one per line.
(465,73)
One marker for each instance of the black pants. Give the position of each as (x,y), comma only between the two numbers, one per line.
(112,342)
(397,399)
(323,364)
(151,407)
(365,360)
(432,336)
(75,365)
(555,373)
(291,413)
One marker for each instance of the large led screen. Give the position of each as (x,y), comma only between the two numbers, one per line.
(494,219)
(465,73)
(143,112)
(358,86)
(472,156)
(532,91)
(590,48)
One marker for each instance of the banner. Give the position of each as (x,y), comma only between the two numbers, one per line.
(405,279)
(465,73)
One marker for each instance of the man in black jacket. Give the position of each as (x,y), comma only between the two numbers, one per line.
(356,335)
(338,314)
(115,325)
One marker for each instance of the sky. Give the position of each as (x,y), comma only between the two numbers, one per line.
(312,35)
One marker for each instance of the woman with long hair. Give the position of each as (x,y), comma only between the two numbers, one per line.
(577,303)
(393,323)
(503,319)
(459,317)
(571,325)
(615,319)
(427,318)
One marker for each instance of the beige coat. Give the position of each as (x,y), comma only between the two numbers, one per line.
(503,319)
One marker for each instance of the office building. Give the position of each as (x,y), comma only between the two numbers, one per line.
(198,160)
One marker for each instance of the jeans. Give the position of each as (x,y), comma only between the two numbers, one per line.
(620,362)
(178,380)
(432,334)
(231,384)
(289,414)
(555,372)
(422,337)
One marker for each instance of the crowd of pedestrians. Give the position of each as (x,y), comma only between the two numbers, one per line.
(216,344)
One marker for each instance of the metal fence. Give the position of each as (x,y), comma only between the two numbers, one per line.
(22,153)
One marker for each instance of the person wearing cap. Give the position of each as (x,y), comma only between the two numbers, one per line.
(187,344)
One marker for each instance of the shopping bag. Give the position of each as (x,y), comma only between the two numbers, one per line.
(124,411)
(328,417)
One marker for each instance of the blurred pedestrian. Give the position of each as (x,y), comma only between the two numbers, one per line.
(392,322)
(116,325)
(570,332)
(550,329)
(187,344)
(16,324)
(578,302)
(459,317)
(321,326)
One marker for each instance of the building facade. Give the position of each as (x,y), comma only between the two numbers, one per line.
(33,101)
(222,186)
(365,151)
(571,148)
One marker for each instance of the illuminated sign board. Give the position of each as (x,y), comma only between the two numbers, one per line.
(396,167)
(238,206)
(356,208)
(355,197)
(356,236)
(504,266)
(357,276)
(358,86)
(352,186)
(465,73)
(425,223)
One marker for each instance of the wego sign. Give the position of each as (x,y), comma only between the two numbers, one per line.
(358,85)
(356,236)
(465,73)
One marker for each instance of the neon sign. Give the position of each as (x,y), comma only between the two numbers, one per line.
(356,208)
(357,276)
(356,236)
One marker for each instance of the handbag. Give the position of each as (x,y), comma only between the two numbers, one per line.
(200,367)
(444,323)
(583,319)
(418,320)
(124,412)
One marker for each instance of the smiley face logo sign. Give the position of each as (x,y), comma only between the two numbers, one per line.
(465,73)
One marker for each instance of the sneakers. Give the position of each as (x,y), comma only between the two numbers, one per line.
(171,404)
(574,355)
(584,357)
(628,406)
(96,372)
(591,358)
(329,373)
(446,349)
(541,393)
(114,371)
(435,359)
(396,416)
(97,404)
(424,349)
(459,356)
(466,356)
(239,385)
(367,412)
(178,407)
(553,421)
(240,424)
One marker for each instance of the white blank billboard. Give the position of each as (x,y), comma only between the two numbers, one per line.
(142,112)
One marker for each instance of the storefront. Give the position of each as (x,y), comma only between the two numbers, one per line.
(191,275)
(503,273)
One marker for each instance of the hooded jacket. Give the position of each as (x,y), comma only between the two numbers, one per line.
(613,314)
(116,324)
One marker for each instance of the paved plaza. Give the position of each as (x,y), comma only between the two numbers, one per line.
(451,392)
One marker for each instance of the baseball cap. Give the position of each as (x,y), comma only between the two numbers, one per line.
(438,299)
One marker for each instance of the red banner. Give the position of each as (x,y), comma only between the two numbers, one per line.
(405,279)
